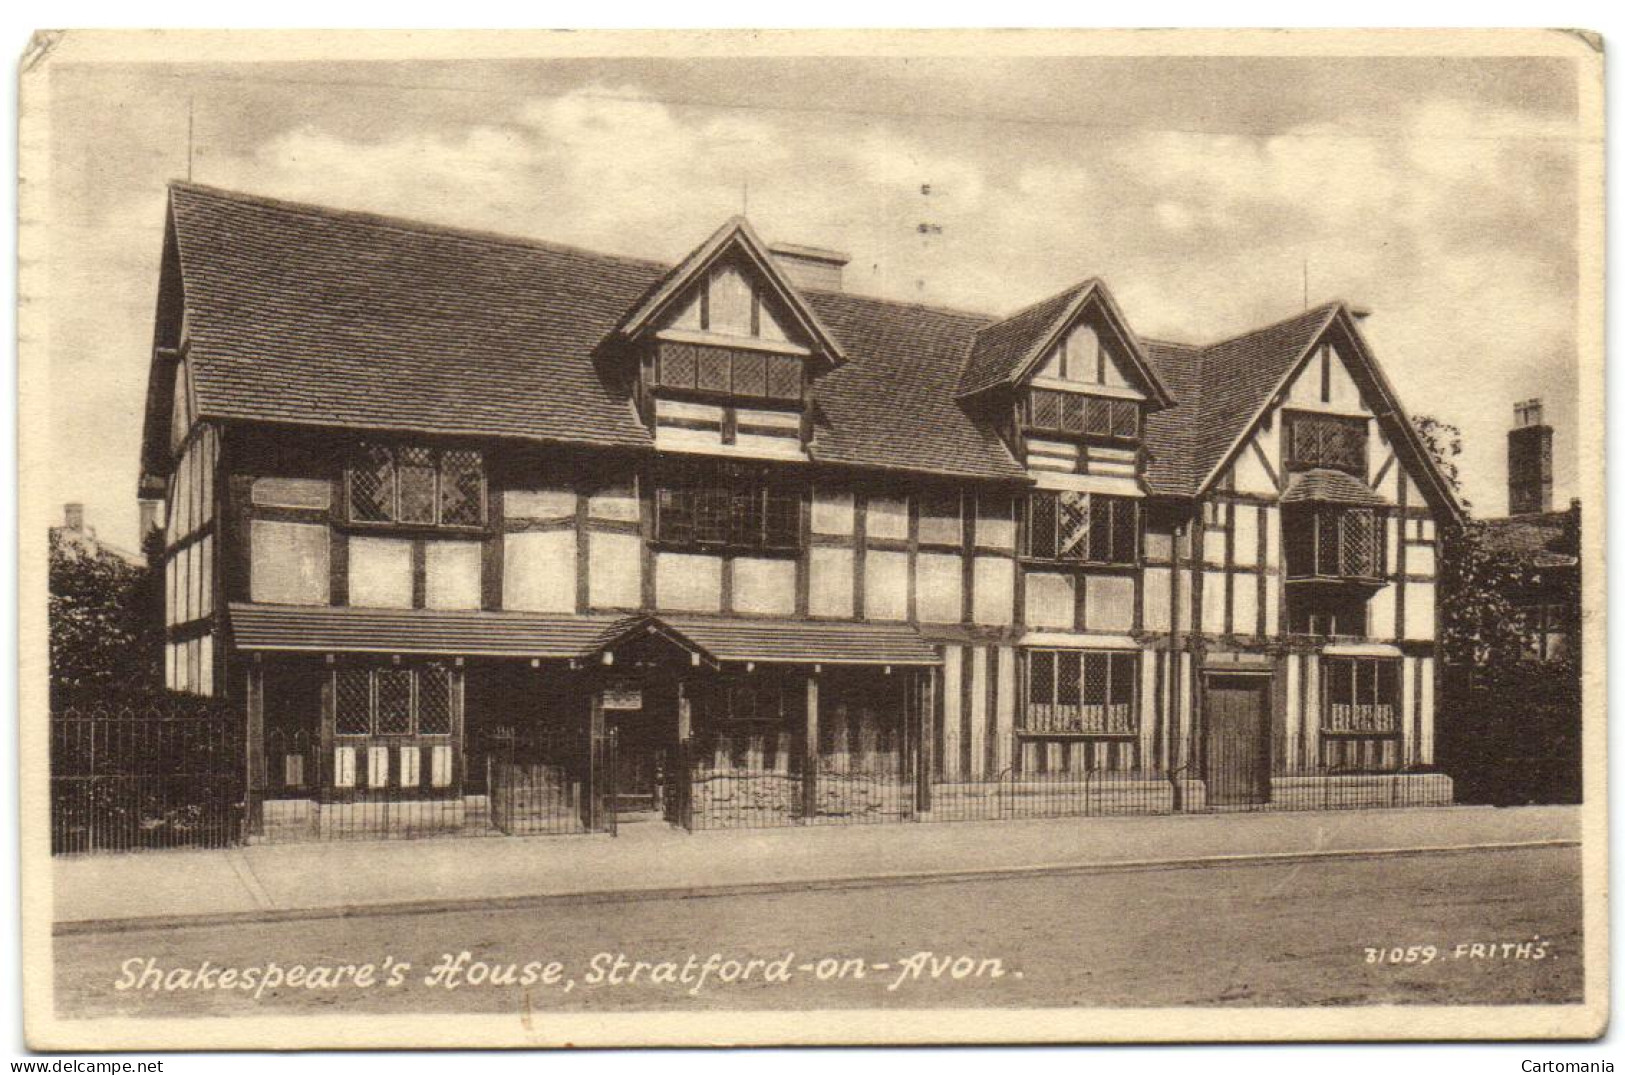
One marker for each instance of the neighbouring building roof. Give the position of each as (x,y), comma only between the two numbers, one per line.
(308,315)
(297,628)
(1331,487)
(1548,539)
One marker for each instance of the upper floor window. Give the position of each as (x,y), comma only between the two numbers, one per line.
(1073,414)
(1323,541)
(417,485)
(1318,440)
(1083,527)
(1075,692)
(726,372)
(727,506)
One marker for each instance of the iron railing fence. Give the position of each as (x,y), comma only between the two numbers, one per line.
(505,781)
(144,772)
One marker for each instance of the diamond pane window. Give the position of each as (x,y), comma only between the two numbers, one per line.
(1125,420)
(1327,441)
(434,700)
(353,702)
(462,488)
(416,474)
(394,687)
(750,374)
(783,377)
(1098,417)
(372,485)
(712,372)
(1358,561)
(1046,409)
(417,485)
(1073,409)
(677,367)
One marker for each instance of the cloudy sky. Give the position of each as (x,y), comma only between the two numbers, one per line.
(1440,193)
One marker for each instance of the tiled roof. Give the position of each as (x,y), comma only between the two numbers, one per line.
(314,316)
(1331,487)
(311,316)
(315,629)
(308,315)
(1544,540)
(1003,346)
(318,629)
(1238,375)
(1170,465)
(892,404)
(1221,388)
(805,641)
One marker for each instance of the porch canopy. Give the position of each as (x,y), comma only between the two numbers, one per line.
(708,639)
(1326,486)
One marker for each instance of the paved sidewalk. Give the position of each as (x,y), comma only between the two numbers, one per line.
(98,892)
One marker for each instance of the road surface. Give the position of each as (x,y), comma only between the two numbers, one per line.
(1321,933)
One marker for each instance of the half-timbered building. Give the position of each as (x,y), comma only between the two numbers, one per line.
(429,494)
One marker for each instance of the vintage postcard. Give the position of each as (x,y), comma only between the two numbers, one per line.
(821,537)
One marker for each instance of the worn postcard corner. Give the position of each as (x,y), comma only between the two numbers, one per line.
(1057,536)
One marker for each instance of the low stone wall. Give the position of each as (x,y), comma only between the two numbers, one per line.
(1360,791)
(732,798)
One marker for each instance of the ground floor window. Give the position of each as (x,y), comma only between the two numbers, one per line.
(1361,725)
(1362,696)
(1080,692)
(393,701)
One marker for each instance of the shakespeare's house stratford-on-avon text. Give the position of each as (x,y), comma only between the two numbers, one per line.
(487,535)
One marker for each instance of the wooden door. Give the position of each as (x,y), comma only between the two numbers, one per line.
(1238,723)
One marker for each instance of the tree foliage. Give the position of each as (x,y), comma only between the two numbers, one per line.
(105,629)
(1511,729)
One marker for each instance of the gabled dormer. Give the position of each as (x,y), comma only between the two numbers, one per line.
(1072,381)
(727,352)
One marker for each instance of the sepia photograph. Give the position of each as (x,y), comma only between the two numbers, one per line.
(811,537)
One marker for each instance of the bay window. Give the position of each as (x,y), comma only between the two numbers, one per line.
(1333,542)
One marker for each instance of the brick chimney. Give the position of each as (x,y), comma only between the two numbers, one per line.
(1529,460)
(810,266)
(73,517)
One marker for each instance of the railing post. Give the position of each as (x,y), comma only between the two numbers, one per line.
(595,779)
(809,759)
(254,749)
(925,757)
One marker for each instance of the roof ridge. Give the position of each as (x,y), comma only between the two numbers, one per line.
(902,304)
(1322,310)
(1031,306)
(410,224)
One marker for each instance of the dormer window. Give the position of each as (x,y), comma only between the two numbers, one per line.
(722,371)
(1075,414)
